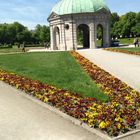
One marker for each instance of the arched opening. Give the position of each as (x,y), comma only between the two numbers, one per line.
(56,38)
(100,36)
(83,36)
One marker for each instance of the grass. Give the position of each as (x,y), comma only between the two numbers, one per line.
(121,41)
(15,49)
(99,43)
(57,69)
(127,40)
(9,50)
(128,49)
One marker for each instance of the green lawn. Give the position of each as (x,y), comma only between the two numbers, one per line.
(99,43)
(16,49)
(127,40)
(128,49)
(121,41)
(57,69)
(9,50)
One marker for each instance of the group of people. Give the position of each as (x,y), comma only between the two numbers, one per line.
(46,45)
(136,42)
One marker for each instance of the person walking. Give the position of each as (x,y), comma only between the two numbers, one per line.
(46,45)
(136,42)
(23,47)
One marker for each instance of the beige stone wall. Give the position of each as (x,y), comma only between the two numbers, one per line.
(68,37)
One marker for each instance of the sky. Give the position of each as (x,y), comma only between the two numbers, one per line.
(33,12)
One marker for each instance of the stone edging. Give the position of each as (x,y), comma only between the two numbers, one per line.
(65,116)
(76,121)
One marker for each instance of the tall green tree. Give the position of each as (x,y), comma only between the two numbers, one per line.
(113,24)
(114,18)
(128,21)
(136,28)
(42,33)
(126,26)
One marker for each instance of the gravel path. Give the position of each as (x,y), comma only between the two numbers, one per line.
(124,66)
(23,119)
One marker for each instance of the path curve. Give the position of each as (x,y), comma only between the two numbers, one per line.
(123,66)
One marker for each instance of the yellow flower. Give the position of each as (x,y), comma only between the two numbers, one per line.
(87,114)
(46,100)
(138,110)
(17,86)
(51,92)
(91,115)
(66,94)
(99,85)
(91,108)
(90,125)
(99,107)
(107,92)
(131,101)
(116,104)
(2,79)
(38,96)
(127,97)
(90,121)
(83,119)
(119,126)
(118,119)
(134,91)
(102,125)
(95,114)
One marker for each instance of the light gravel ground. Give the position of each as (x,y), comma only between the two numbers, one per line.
(123,66)
(23,119)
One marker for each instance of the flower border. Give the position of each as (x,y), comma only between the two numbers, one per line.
(119,115)
(122,112)
(122,51)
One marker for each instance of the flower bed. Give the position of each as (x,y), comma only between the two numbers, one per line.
(71,103)
(117,116)
(122,112)
(122,51)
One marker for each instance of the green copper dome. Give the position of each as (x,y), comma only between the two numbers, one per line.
(64,7)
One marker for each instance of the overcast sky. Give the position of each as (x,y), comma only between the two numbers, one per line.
(33,12)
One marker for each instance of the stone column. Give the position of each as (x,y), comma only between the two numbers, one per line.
(71,36)
(92,28)
(102,25)
(52,37)
(106,35)
(62,37)
(63,40)
(74,36)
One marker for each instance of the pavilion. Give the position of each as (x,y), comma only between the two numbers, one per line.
(69,16)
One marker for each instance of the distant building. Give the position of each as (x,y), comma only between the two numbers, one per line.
(67,16)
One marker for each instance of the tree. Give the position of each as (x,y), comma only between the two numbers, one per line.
(45,34)
(113,23)
(11,33)
(114,18)
(136,28)
(126,25)
(129,21)
(42,33)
